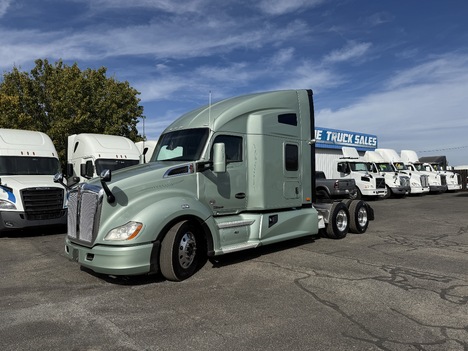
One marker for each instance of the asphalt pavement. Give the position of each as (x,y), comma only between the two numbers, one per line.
(402,285)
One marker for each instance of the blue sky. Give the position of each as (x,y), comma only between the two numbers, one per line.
(396,69)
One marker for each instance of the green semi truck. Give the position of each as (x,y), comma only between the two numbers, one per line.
(229,176)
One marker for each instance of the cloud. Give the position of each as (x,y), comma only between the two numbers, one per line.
(280,7)
(350,51)
(4,4)
(415,113)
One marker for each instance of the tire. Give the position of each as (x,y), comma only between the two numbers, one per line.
(322,194)
(181,252)
(356,194)
(389,192)
(338,223)
(359,217)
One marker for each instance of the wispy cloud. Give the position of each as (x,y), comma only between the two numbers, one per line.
(280,7)
(351,51)
(4,4)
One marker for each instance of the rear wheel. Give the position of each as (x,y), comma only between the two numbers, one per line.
(359,217)
(181,251)
(338,223)
(355,194)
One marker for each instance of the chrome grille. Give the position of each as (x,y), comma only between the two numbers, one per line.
(404,181)
(425,181)
(84,206)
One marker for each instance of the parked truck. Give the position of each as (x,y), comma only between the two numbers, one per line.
(437,181)
(440,164)
(353,166)
(334,188)
(88,154)
(28,195)
(226,177)
(419,183)
(397,185)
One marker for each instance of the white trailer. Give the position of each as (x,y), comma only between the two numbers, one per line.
(351,166)
(419,182)
(437,181)
(28,195)
(89,154)
(396,184)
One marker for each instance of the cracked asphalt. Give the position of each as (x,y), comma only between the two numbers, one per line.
(403,285)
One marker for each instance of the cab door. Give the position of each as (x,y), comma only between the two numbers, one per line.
(225,193)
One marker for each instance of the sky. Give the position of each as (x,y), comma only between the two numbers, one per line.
(396,69)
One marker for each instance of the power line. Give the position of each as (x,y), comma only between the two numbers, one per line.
(446,149)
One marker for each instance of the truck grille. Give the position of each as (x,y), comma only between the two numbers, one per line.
(380,183)
(84,207)
(404,181)
(425,181)
(43,203)
(443,179)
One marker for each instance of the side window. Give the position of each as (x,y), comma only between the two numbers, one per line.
(233,146)
(291,157)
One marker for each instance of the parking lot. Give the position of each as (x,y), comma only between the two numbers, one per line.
(403,285)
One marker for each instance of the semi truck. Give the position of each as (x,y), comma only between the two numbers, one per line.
(437,181)
(352,166)
(28,195)
(397,185)
(419,183)
(230,176)
(440,164)
(88,154)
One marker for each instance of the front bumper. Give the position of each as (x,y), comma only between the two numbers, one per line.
(13,220)
(116,260)
(399,191)
(438,188)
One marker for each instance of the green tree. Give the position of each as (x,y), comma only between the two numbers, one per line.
(62,100)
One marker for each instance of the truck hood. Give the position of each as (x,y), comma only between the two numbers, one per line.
(28,181)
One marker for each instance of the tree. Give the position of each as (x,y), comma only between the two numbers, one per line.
(62,100)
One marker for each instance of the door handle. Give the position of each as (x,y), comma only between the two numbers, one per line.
(240,196)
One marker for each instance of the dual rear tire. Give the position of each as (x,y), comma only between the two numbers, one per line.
(348,216)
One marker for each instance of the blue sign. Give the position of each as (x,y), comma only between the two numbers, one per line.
(335,139)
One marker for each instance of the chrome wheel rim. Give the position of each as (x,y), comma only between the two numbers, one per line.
(187,250)
(362,217)
(341,220)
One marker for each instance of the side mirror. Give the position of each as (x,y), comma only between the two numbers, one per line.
(219,158)
(58,178)
(87,169)
(106,176)
(69,170)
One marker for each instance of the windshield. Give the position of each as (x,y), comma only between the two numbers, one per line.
(385,167)
(22,165)
(419,167)
(400,166)
(359,166)
(113,164)
(181,145)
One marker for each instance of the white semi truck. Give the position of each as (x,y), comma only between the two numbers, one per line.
(439,164)
(353,166)
(88,154)
(28,195)
(419,182)
(437,181)
(397,185)
(226,177)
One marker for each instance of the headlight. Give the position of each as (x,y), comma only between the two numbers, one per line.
(7,205)
(126,232)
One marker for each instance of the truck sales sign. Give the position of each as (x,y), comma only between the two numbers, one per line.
(334,139)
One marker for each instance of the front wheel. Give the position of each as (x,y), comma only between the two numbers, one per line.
(180,251)
(338,222)
(355,194)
